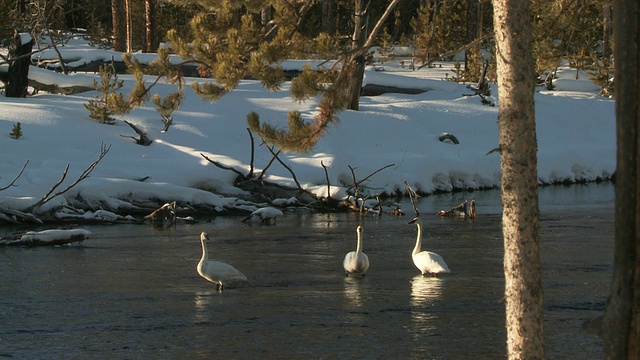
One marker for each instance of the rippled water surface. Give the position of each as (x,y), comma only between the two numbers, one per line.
(132,291)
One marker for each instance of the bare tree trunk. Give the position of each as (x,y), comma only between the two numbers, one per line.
(329,16)
(519,183)
(118,20)
(151,41)
(607,28)
(621,322)
(20,60)
(129,24)
(473,14)
(358,39)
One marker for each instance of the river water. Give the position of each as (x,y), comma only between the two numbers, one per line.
(132,291)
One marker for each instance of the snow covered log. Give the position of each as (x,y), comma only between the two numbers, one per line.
(59,89)
(49,238)
(375,90)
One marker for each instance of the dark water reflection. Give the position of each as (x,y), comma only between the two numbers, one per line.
(132,292)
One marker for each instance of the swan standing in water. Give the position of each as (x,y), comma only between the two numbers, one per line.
(427,261)
(217,272)
(356,262)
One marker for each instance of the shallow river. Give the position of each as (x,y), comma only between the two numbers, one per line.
(132,291)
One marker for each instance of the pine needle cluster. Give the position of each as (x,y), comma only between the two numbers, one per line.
(109,102)
(229,42)
(300,136)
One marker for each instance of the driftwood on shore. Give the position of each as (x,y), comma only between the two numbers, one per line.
(47,238)
(59,89)
(461,210)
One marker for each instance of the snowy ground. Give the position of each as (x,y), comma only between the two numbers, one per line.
(575,127)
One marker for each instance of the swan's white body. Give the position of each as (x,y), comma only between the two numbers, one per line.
(217,272)
(356,262)
(265,214)
(427,261)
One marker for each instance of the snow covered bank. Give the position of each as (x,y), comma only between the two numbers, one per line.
(575,127)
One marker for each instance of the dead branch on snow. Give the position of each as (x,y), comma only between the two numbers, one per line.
(48,196)
(16,178)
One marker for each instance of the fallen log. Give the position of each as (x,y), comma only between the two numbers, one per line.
(375,90)
(48,238)
(57,89)
(460,210)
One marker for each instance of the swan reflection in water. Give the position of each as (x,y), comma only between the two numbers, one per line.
(205,304)
(355,297)
(352,291)
(425,294)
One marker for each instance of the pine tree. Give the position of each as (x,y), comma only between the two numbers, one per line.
(229,42)
(101,108)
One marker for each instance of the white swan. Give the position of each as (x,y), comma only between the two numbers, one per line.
(217,272)
(427,261)
(356,262)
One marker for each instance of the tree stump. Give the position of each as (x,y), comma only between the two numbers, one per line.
(20,60)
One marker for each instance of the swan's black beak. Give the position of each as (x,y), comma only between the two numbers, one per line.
(413,220)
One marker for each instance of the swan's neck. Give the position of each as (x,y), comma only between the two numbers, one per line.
(418,240)
(205,254)
(359,246)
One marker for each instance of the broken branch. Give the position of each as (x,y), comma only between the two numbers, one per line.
(48,197)
(17,176)
(413,196)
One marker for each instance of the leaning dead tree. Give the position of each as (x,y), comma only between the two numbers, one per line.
(268,191)
(256,185)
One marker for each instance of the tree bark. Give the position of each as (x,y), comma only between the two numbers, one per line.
(20,60)
(607,27)
(328,16)
(128,6)
(621,322)
(119,22)
(151,41)
(519,183)
(358,64)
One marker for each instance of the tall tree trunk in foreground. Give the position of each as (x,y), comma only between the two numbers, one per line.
(519,184)
(119,25)
(621,322)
